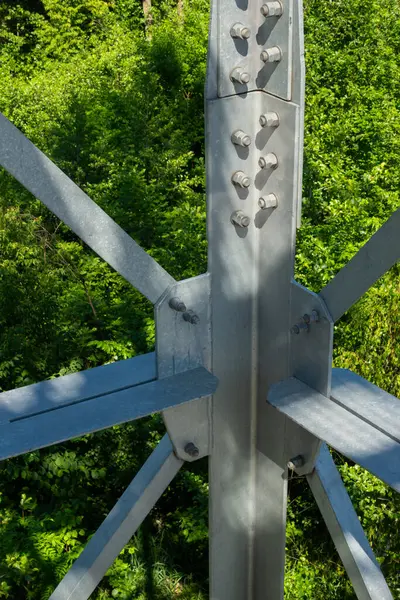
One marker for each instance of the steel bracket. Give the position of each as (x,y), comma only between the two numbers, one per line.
(183,342)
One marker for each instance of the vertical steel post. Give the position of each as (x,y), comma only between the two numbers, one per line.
(254,133)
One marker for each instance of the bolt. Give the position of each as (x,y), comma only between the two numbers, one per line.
(268,201)
(240,138)
(270,119)
(239,76)
(177,304)
(305,321)
(302,325)
(238,30)
(271,55)
(192,450)
(272,9)
(239,178)
(240,219)
(190,317)
(296,463)
(269,161)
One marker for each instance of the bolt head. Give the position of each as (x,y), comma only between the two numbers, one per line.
(240,219)
(296,463)
(239,76)
(240,138)
(268,201)
(191,450)
(269,120)
(271,55)
(190,317)
(239,178)
(268,161)
(272,9)
(245,32)
(177,304)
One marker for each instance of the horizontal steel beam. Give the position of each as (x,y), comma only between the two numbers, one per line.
(346,531)
(64,198)
(373,405)
(120,524)
(29,433)
(372,261)
(345,431)
(77,387)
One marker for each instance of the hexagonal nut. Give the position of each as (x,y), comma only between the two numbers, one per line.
(268,201)
(240,219)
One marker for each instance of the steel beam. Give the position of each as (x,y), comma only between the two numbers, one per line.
(251,256)
(77,387)
(29,433)
(120,524)
(345,529)
(372,261)
(373,405)
(345,431)
(65,199)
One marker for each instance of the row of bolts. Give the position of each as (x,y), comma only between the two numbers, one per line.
(270,55)
(239,137)
(269,161)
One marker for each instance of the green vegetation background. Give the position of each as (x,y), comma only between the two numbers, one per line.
(121,112)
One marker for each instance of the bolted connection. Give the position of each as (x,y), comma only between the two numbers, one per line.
(270,119)
(191,450)
(177,304)
(269,161)
(238,30)
(239,178)
(268,201)
(240,138)
(238,75)
(271,55)
(271,9)
(240,219)
(190,317)
(296,463)
(313,318)
(304,322)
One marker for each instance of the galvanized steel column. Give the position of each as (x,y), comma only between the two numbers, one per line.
(254,133)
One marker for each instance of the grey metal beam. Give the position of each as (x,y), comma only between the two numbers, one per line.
(373,405)
(346,531)
(340,428)
(54,426)
(70,389)
(372,261)
(251,270)
(64,198)
(120,524)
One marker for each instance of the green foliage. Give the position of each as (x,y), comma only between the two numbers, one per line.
(120,110)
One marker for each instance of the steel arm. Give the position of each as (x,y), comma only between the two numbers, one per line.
(120,524)
(372,261)
(52,426)
(346,531)
(64,198)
